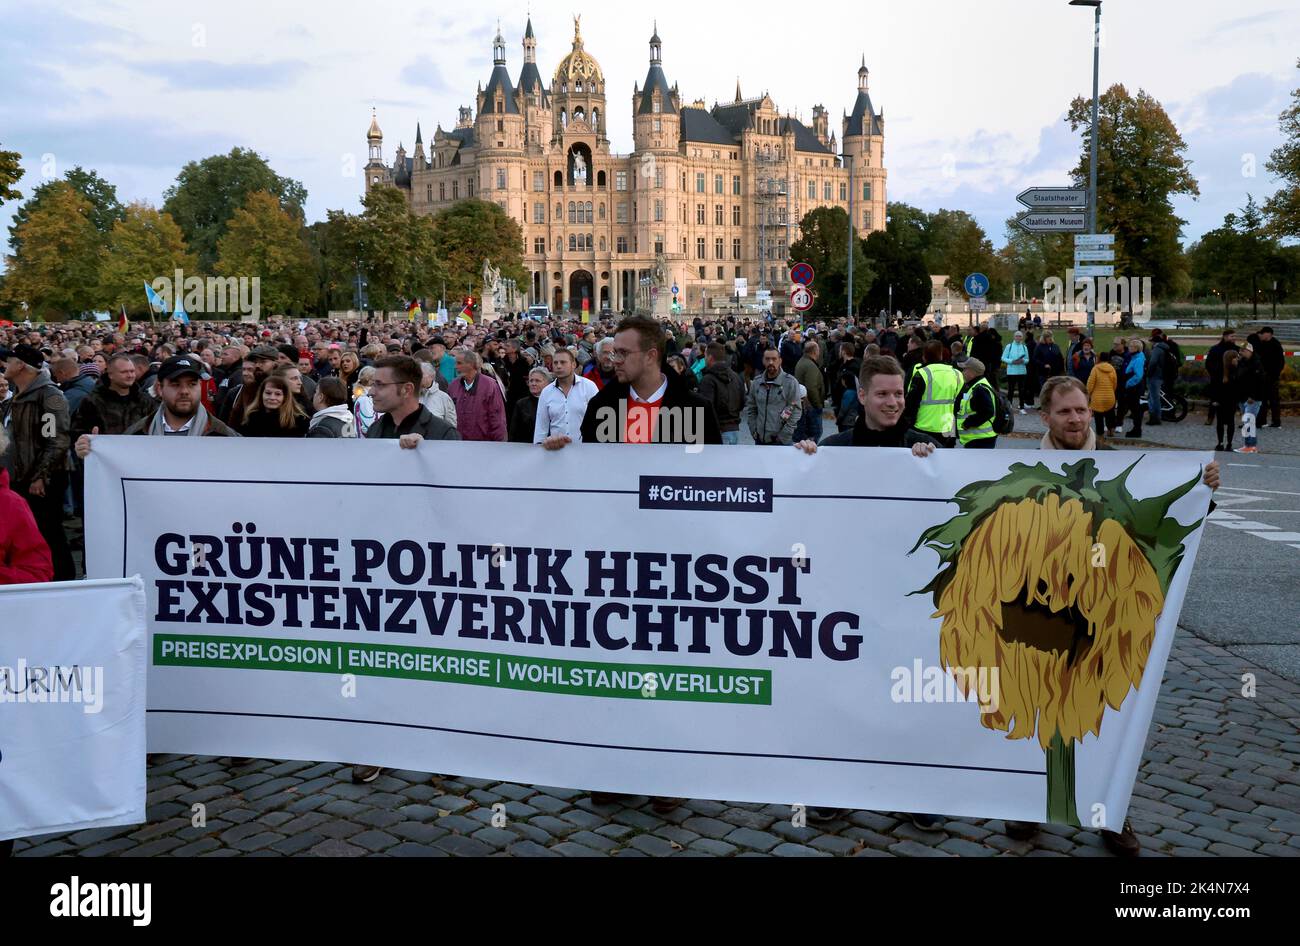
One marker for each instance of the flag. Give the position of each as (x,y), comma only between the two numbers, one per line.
(155,301)
(467,312)
(123,323)
(413,312)
(180,315)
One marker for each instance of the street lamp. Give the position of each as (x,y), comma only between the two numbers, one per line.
(1092,157)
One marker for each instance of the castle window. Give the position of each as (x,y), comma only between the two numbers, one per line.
(501,106)
(699,214)
(455,190)
(826,190)
(719,272)
(656,107)
(735,249)
(866,190)
(600,179)
(501,178)
(735,184)
(699,250)
(573,212)
(717,184)
(735,215)
(717,251)
(469,187)
(442,191)
(844,191)
(866,220)
(589,243)
(701,272)
(539,212)
(659,211)
(539,246)
(699,182)
(573,243)
(620,212)
(659,125)
(659,243)
(620,180)
(428,193)
(559,180)
(717,215)
(683,180)
(501,126)
(621,244)
(812,190)
(588,212)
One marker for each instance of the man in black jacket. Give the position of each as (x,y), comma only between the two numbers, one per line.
(1272,359)
(987,347)
(396,393)
(722,388)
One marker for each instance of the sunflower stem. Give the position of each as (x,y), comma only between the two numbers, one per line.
(1060,782)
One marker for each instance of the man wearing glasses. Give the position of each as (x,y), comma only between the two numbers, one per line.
(396,393)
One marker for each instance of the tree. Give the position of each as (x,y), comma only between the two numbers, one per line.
(207,193)
(473,231)
(968,250)
(1239,261)
(1140,168)
(144,245)
(823,244)
(393,249)
(11,173)
(1283,208)
(56,272)
(902,280)
(264,242)
(105,208)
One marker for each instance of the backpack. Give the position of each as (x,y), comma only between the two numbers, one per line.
(1004,421)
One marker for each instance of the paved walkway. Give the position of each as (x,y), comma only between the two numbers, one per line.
(1191,434)
(1221,776)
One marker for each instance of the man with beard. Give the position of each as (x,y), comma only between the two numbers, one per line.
(182,413)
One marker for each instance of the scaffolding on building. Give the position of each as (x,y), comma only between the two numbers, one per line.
(772,213)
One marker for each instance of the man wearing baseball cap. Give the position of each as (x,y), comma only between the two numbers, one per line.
(38,422)
(182,413)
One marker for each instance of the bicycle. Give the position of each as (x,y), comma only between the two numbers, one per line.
(1173,407)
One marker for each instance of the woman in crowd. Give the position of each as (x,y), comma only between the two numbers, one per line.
(1016,357)
(276,413)
(524,418)
(1103,385)
(1252,388)
(1048,360)
(363,405)
(349,374)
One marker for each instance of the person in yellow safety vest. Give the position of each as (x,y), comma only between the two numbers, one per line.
(977,406)
(932,395)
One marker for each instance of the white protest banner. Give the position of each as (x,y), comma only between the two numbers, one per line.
(730,623)
(72,706)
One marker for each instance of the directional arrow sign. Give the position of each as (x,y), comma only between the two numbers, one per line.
(1039,198)
(1086,272)
(1094,256)
(1093,240)
(1043,221)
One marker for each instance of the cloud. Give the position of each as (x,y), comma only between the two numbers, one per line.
(425,75)
(210,76)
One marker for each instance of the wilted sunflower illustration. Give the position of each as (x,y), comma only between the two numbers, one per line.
(1055,582)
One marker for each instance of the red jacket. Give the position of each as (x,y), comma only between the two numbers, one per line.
(24,556)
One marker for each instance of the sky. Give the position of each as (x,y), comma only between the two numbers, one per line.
(974,94)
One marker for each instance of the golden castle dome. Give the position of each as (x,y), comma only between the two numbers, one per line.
(578,66)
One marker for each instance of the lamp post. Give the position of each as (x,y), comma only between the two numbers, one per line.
(848,302)
(1092,156)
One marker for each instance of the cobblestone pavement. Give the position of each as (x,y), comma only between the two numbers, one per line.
(1221,776)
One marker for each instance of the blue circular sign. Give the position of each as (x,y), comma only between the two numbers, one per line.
(977,284)
(801,274)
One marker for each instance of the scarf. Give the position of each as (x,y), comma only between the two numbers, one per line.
(1050,444)
(198,427)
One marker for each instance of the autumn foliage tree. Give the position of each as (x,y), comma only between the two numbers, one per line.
(56,271)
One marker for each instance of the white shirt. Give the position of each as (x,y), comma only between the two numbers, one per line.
(440,404)
(561,416)
(657,396)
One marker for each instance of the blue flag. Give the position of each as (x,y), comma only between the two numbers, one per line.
(155,301)
(180,315)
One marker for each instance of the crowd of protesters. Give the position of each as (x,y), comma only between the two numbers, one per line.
(550,383)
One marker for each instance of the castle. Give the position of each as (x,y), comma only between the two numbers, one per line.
(707,196)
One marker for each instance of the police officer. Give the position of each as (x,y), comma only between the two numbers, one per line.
(977,406)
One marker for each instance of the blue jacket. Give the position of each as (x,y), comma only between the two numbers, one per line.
(1016,351)
(1136,370)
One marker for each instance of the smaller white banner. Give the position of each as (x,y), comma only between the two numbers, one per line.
(72,706)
